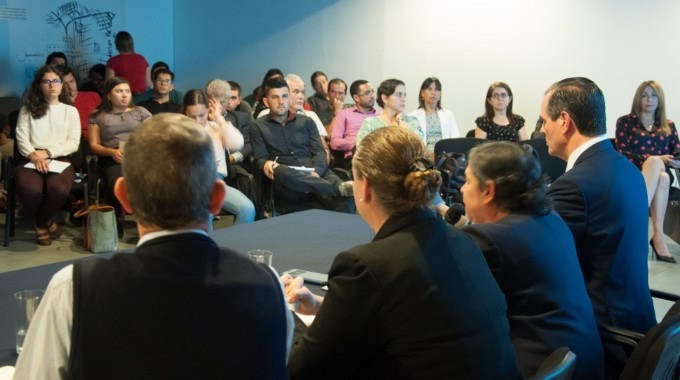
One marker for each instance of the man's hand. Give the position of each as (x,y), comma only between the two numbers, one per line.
(268,169)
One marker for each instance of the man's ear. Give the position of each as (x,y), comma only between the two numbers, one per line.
(217,195)
(567,123)
(489,192)
(265,101)
(120,190)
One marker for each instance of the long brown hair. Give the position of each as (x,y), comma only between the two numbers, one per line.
(35,102)
(489,113)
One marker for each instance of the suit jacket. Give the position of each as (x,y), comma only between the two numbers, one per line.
(241,120)
(534,261)
(178,307)
(417,302)
(603,200)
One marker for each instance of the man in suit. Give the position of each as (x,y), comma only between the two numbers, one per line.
(602,198)
(179,306)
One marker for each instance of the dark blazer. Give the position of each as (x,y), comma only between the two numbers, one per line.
(603,200)
(241,120)
(178,307)
(534,261)
(417,302)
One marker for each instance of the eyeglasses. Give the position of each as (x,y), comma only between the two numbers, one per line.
(164,81)
(368,93)
(48,82)
(499,96)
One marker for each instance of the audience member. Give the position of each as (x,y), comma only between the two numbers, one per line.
(175,96)
(296,87)
(179,306)
(48,130)
(498,122)
(129,65)
(6,141)
(319,101)
(650,141)
(84,101)
(220,90)
(417,302)
(258,92)
(163,80)
(95,79)
(392,99)
(506,198)
(602,198)
(56,58)
(337,91)
(347,122)
(109,126)
(225,137)
(235,103)
(438,123)
(282,141)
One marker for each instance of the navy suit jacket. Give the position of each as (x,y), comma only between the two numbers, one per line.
(603,199)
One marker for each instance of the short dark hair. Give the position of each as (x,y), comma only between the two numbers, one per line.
(317,74)
(64,70)
(98,68)
(159,64)
(427,83)
(336,81)
(354,87)
(163,71)
(387,87)
(583,100)
(124,42)
(270,73)
(56,54)
(520,184)
(235,86)
(277,82)
(488,109)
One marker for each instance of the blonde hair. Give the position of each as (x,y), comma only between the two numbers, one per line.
(660,113)
(393,160)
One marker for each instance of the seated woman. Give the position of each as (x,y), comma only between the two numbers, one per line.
(531,252)
(418,301)
(498,122)
(438,123)
(109,126)
(48,129)
(209,114)
(650,141)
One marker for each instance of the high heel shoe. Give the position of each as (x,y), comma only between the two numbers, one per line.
(668,259)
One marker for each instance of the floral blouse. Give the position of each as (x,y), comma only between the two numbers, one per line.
(636,143)
(495,132)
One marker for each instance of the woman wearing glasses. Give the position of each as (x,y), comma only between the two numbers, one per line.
(48,130)
(498,122)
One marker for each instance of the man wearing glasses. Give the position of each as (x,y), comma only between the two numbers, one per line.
(161,101)
(162,86)
(347,122)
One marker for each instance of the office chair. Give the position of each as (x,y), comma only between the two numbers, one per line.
(658,354)
(560,365)
(551,166)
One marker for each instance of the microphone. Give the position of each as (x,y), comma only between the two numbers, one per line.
(455,215)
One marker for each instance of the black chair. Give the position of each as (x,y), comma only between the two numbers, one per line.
(560,365)
(458,145)
(552,166)
(657,356)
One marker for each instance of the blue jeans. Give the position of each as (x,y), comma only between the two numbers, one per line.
(238,204)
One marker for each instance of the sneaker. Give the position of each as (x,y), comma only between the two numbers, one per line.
(346,189)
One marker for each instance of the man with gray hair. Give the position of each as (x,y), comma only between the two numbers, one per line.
(221,90)
(179,305)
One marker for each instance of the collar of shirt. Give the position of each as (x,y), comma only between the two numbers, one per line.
(157,234)
(291,117)
(357,110)
(582,148)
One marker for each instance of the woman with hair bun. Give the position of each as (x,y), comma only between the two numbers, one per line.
(531,253)
(416,302)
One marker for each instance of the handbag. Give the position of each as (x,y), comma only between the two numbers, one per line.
(100,231)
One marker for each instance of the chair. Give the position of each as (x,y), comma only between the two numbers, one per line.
(552,166)
(560,365)
(450,193)
(658,354)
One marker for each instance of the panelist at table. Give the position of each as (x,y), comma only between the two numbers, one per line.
(417,302)
(179,306)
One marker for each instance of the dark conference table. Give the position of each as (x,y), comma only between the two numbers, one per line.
(306,240)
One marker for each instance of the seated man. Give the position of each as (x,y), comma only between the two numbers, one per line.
(319,101)
(175,96)
(235,100)
(162,86)
(337,91)
(283,140)
(179,306)
(84,101)
(347,122)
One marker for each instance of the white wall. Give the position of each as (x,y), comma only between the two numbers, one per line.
(529,44)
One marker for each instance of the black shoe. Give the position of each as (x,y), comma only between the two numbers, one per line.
(668,259)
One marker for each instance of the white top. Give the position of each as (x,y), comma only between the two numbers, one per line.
(582,148)
(446,118)
(310,114)
(58,131)
(45,353)
(224,136)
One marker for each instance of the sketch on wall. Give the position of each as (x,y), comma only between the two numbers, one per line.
(86,34)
